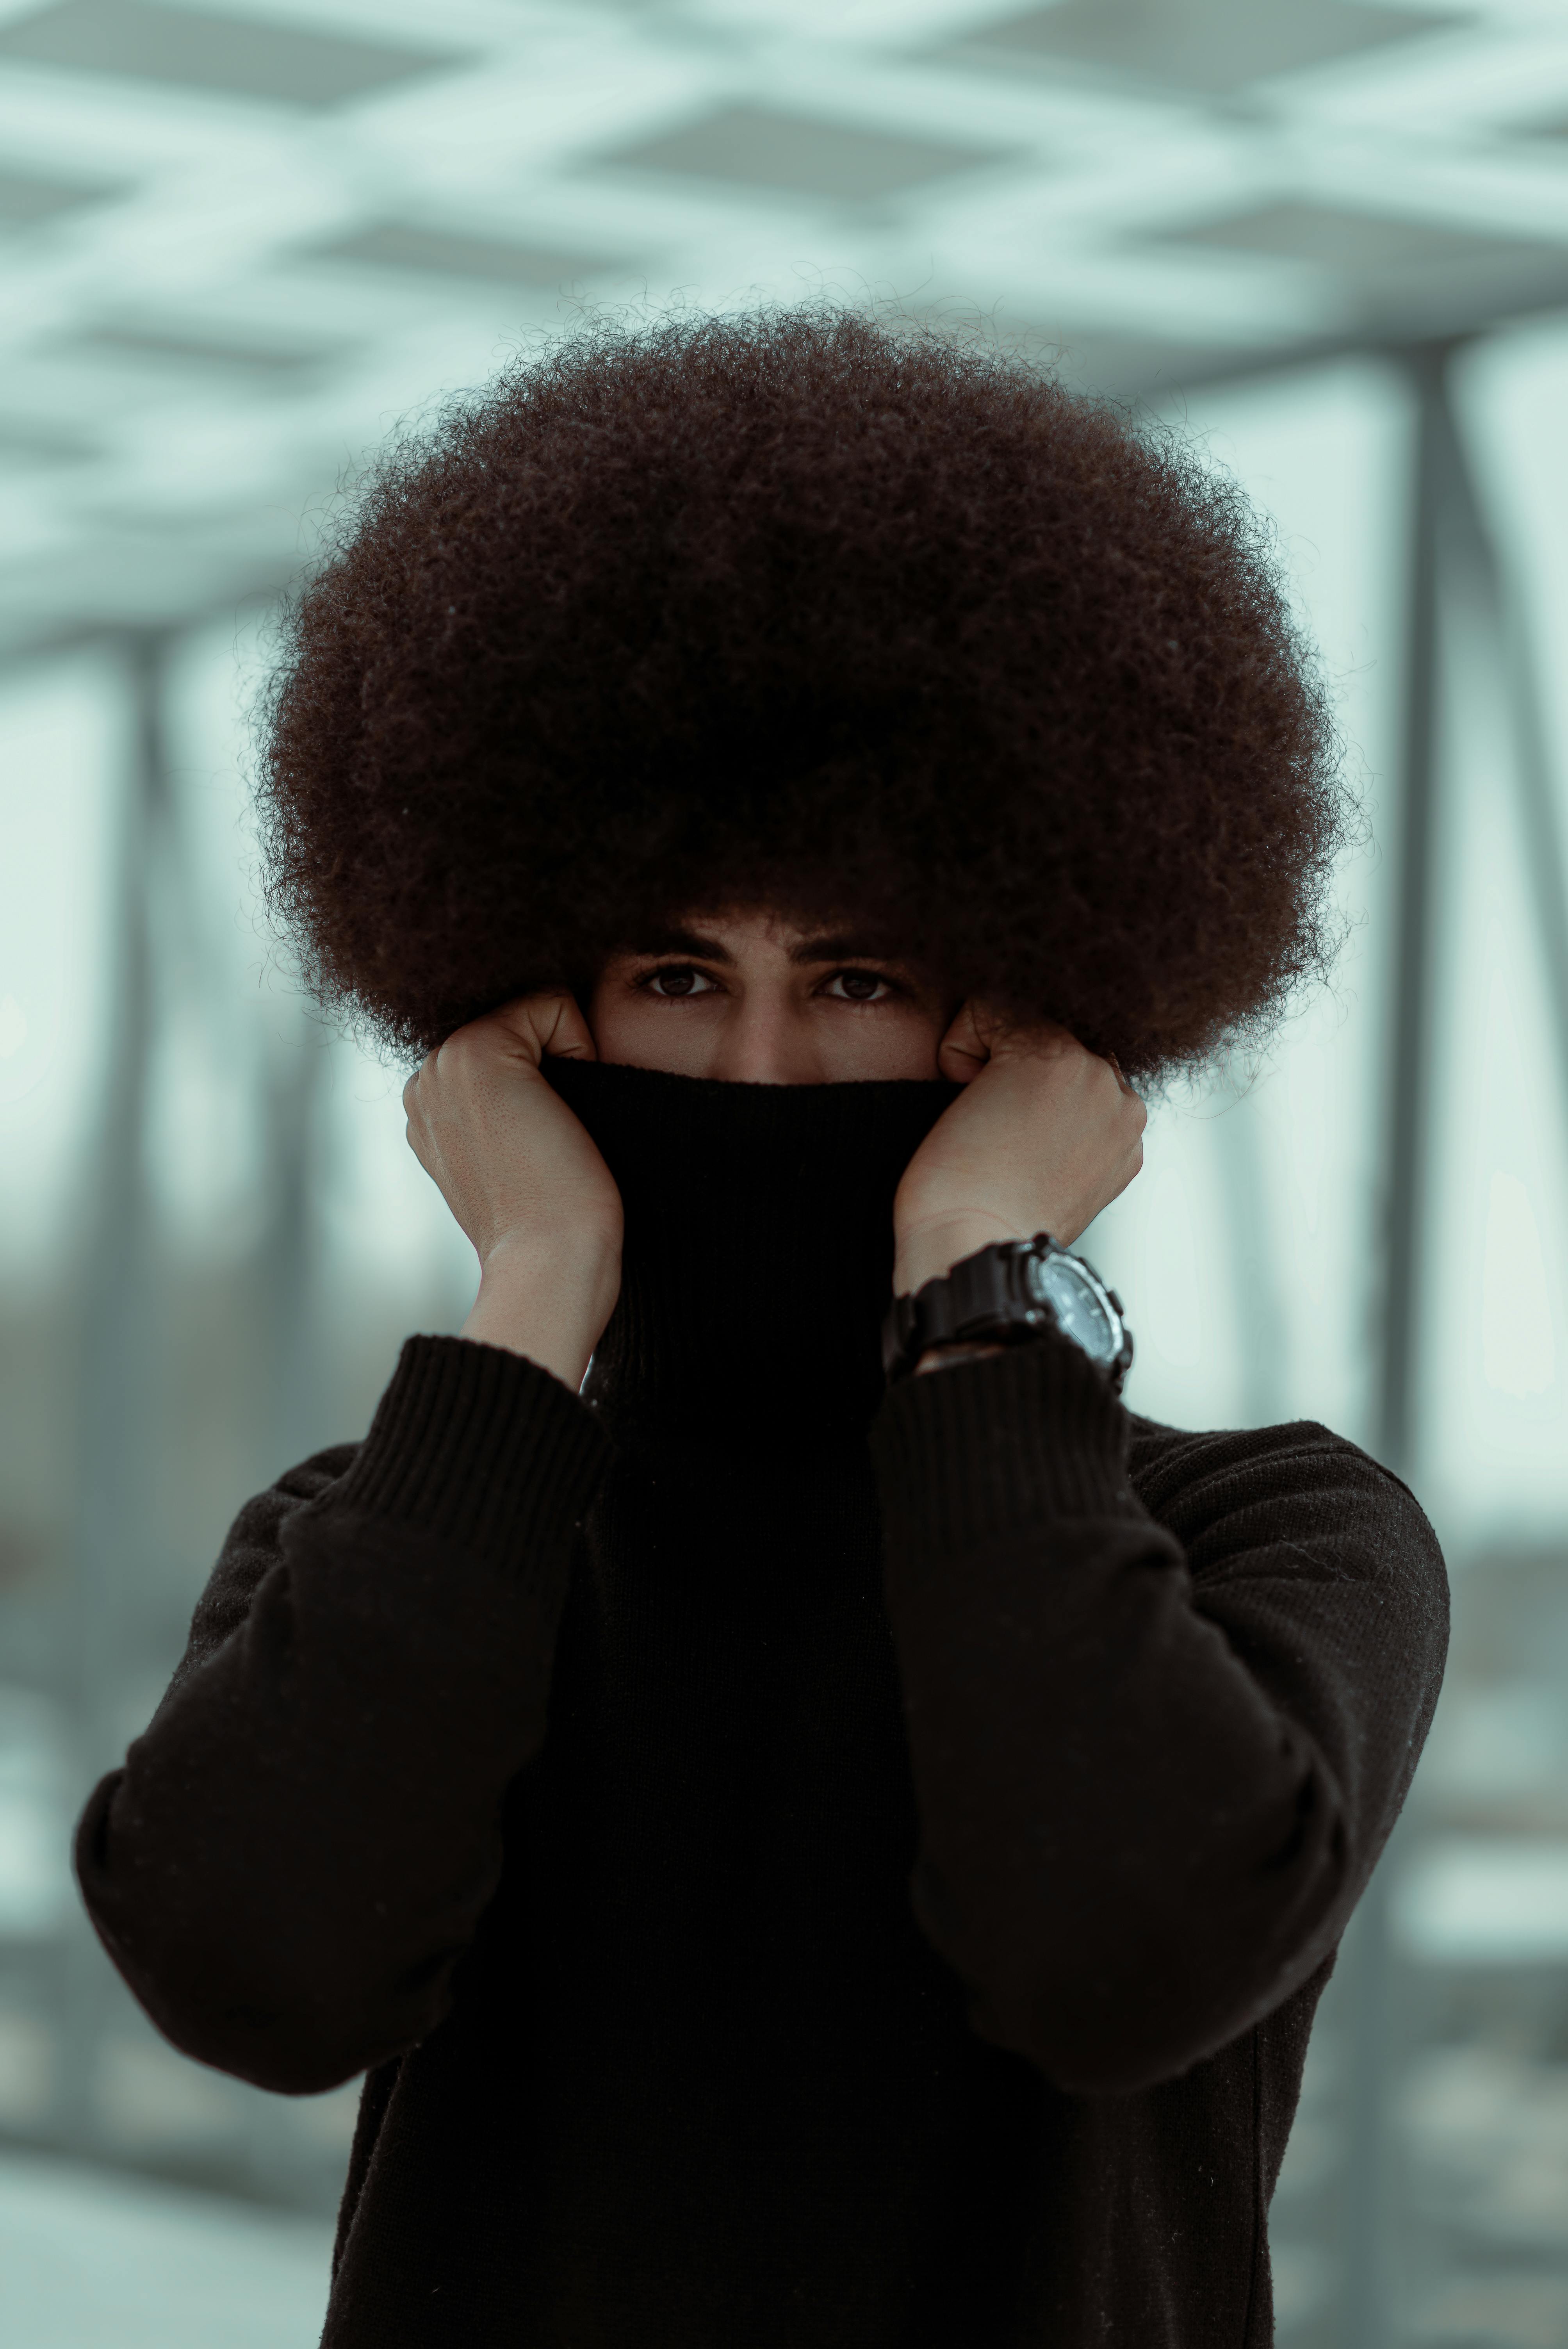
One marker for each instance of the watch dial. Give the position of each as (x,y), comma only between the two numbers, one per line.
(1058,1282)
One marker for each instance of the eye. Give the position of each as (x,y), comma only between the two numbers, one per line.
(860,987)
(675,981)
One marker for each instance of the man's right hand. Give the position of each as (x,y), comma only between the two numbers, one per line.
(524,1181)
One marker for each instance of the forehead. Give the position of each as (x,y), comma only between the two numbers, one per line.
(729,935)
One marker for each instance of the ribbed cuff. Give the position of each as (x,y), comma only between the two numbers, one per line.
(480,1445)
(985,1447)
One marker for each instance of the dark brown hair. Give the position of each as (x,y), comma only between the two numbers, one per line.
(806,611)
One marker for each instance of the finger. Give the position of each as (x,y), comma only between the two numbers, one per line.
(570,1037)
(963,1050)
(1115,1065)
(549,1022)
(1035,1040)
(414,1134)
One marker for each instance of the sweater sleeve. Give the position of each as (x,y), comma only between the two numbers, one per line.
(299,1849)
(1158,1739)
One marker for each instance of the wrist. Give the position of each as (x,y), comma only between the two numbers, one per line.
(548,1298)
(961,1349)
(929,1251)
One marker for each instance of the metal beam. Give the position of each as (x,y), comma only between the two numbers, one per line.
(1368,2007)
(1404,1156)
(1501,610)
(116,1331)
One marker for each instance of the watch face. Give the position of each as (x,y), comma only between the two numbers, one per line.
(1058,1282)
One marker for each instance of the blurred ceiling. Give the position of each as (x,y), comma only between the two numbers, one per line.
(238,244)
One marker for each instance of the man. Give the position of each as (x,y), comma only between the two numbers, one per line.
(821,1825)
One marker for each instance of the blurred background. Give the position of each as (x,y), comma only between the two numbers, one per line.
(240,244)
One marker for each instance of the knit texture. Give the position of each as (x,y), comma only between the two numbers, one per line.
(442,1452)
(803,1865)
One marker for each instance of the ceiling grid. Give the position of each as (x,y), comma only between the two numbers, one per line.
(237,242)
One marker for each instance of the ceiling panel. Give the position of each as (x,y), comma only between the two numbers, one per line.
(24,198)
(39,442)
(439,253)
(1417,276)
(1364,244)
(1146,194)
(1197,45)
(753,146)
(171,347)
(1122,366)
(246,56)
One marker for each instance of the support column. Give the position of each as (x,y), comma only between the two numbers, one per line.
(1500,609)
(116,1332)
(1371,2216)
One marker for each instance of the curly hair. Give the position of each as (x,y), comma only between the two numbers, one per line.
(804,612)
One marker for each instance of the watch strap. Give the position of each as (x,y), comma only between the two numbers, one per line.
(988,1296)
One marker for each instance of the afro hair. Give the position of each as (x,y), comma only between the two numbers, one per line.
(802,611)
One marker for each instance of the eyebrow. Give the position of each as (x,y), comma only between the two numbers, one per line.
(844,946)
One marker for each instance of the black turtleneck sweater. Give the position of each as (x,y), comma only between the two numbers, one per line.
(804,1867)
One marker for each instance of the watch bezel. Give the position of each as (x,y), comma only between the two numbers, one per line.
(990,1295)
(1085,1274)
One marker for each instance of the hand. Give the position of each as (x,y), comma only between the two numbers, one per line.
(523,1179)
(1042,1136)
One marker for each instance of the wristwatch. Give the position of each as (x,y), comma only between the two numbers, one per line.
(1007,1293)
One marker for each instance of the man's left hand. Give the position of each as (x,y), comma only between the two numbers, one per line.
(1042,1136)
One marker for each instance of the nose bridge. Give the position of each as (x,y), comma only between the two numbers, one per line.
(764,1039)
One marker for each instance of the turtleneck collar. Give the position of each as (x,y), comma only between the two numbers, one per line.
(759,1245)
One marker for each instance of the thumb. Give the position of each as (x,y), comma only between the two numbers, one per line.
(548,1023)
(965,1047)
